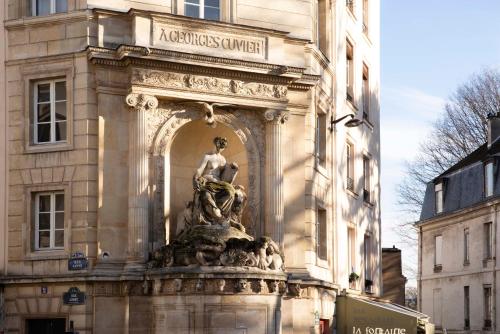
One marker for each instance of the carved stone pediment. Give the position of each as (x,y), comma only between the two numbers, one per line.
(208,84)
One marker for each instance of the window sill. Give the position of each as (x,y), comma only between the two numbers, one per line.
(466,263)
(55,254)
(321,169)
(351,193)
(51,18)
(45,148)
(368,124)
(350,104)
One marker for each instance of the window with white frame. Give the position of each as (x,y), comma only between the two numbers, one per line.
(321,234)
(349,71)
(367,257)
(49,112)
(438,190)
(488,241)
(488,179)
(47,7)
(351,250)
(203,9)
(321,124)
(466,246)
(350,166)
(438,250)
(366,93)
(49,220)
(366,179)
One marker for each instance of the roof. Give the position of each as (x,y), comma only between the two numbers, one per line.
(463,183)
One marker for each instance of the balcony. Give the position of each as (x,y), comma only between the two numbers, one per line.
(350,184)
(487,324)
(350,5)
(366,196)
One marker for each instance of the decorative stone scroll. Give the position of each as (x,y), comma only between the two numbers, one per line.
(208,84)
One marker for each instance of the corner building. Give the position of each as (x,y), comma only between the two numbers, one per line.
(104,130)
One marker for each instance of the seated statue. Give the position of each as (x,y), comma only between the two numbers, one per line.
(216,200)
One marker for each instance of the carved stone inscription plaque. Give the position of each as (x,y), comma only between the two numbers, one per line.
(213,43)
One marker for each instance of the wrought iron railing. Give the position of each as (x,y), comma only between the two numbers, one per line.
(350,184)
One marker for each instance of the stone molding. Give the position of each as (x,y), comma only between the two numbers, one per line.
(208,84)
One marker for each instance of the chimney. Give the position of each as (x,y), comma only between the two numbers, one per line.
(493,128)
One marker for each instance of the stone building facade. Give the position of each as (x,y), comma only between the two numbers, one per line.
(458,247)
(105,123)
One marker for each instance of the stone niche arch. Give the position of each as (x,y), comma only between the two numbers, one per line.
(170,126)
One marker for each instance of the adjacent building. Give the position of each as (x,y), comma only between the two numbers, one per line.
(101,129)
(394,282)
(458,250)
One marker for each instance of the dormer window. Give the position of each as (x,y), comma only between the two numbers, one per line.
(488,179)
(438,189)
(202,9)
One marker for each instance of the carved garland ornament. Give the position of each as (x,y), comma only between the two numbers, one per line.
(208,84)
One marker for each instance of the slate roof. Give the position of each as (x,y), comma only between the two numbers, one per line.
(463,183)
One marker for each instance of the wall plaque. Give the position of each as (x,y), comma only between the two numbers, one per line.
(74,297)
(78,261)
(208,42)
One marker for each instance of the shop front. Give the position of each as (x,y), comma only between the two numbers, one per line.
(359,315)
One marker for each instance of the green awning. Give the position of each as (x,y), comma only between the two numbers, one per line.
(358,315)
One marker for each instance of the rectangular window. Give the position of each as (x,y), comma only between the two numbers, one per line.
(203,9)
(47,7)
(322,29)
(488,179)
(321,234)
(466,246)
(349,72)
(365,16)
(367,258)
(488,240)
(366,93)
(351,250)
(49,220)
(466,308)
(487,306)
(49,112)
(350,166)
(438,189)
(438,250)
(321,139)
(366,179)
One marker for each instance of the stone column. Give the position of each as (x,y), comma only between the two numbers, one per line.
(274,174)
(138,202)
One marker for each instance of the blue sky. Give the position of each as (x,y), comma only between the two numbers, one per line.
(428,48)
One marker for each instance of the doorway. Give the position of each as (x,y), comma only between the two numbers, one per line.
(46,326)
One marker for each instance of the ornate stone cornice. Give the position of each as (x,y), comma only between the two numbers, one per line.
(157,59)
(141,102)
(276,115)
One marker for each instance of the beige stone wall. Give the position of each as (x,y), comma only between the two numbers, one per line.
(27,301)
(441,293)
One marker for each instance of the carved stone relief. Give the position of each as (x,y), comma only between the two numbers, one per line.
(162,79)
